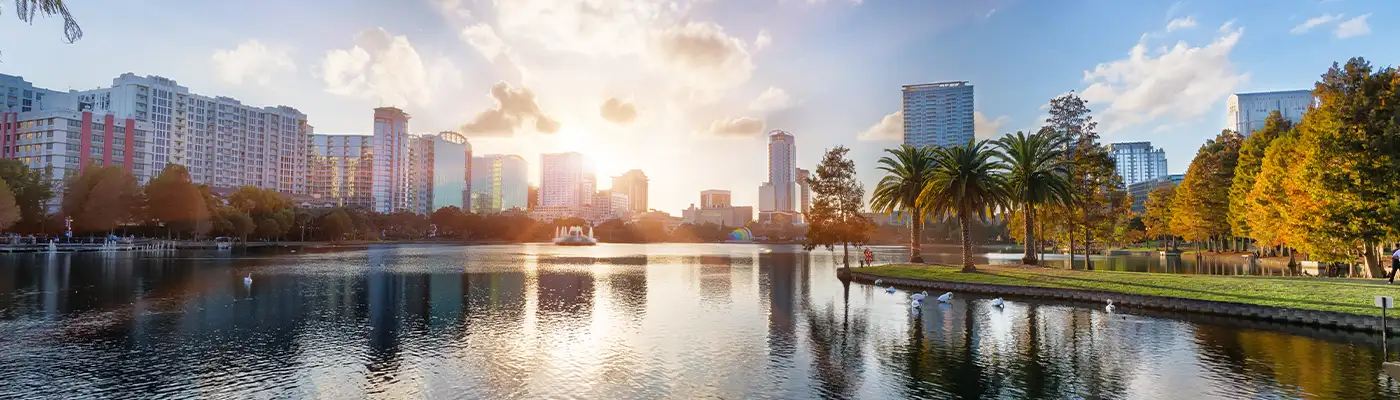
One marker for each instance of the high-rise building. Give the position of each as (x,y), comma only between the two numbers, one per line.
(395,182)
(765,197)
(804,190)
(391,184)
(1138,161)
(1140,190)
(1246,112)
(420,175)
(449,170)
(782,166)
(938,114)
(566,181)
(221,141)
(634,185)
(342,170)
(715,199)
(498,183)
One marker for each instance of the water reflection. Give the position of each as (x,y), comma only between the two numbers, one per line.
(670,321)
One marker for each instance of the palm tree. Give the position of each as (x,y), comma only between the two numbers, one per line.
(27,9)
(967,181)
(1037,175)
(907,171)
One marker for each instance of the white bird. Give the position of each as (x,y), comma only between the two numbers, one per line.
(920,296)
(997,302)
(916,303)
(248,280)
(889,289)
(294,251)
(946,297)
(879,282)
(1110,306)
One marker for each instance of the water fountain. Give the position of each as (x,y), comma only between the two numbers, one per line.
(574,236)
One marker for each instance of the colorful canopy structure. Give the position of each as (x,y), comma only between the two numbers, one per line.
(741,235)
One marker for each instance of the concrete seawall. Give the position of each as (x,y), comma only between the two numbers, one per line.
(1326,319)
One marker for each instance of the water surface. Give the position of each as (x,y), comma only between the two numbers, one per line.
(613,321)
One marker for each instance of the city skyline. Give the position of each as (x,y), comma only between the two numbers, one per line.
(1158,71)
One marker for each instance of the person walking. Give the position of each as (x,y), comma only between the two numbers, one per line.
(1394,264)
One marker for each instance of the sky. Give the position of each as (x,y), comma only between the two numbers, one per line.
(686,90)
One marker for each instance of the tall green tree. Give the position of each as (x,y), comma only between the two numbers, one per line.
(1201,209)
(1251,161)
(967,183)
(1037,175)
(1091,169)
(1351,161)
(835,216)
(907,170)
(32,190)
(1157,219)
(173,200)
(9,211)
(101,198)
(1275,199)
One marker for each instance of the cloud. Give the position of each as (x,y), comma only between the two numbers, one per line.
(1181,82)
(387,68)
(736,127)
(618,111)
(770,100)
(763,40)
(254,62)
(1181,23)
(1353,27)
(483,38)
(984,128)
(703,57)
(592,27)
(514,108)
(890,127)
(1314,22)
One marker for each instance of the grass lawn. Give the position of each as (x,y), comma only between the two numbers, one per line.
(1353,296)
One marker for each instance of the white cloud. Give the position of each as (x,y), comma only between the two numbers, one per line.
(387,68)
(703,58)
(736,127)
(890,127)
(1181,23)
(253,62)
(1353,27)
(594,27)
(1314,22)
(770,100)
(988,128)
(515,107)
(1181,82)
(763,40)
(618,111)
(483,38)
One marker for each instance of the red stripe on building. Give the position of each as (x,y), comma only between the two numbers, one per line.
(130,149)
(108,127)
(85,145)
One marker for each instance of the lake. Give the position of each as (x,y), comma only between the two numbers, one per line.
(612,321)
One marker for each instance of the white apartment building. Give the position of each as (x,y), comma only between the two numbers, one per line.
(342,169)
(566,181)
(938,114)
(221,141)
(1138,162)
(1246,112)
(65,141)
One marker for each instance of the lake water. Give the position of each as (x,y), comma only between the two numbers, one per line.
(613,321)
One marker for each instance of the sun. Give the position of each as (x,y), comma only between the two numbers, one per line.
(601,153)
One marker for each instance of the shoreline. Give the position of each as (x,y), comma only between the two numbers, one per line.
(1093,287)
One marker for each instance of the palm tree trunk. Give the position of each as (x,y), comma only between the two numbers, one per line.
(916,238)
(1029,257)
(963,219)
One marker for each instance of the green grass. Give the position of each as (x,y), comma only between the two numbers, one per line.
(1352,296)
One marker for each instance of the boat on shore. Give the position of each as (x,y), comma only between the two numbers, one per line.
(574,236)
